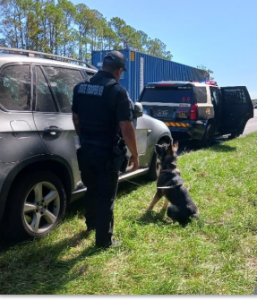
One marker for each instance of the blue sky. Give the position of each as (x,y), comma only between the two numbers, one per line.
(221,34)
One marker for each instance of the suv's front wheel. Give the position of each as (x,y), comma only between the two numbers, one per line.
(36,205)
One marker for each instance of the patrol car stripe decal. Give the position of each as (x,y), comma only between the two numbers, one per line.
(176,124)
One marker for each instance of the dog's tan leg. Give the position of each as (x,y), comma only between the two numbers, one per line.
(165,204)
(156,198)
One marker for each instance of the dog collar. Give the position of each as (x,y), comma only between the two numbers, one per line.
(168,187)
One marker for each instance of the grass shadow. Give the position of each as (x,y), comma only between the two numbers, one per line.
(48,264)
(158,217)
(5,245)
(124,188)
(187,145)
(223,148)
(152,217)
(78,207)
(127,186)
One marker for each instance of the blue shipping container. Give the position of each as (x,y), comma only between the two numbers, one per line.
(143,68)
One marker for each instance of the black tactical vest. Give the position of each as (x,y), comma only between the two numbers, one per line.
(97,116)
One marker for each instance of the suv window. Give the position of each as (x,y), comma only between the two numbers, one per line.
(88,75)
(234,96)
(15,85)
(62,81)
(44,99)
(200,94)
(167,94)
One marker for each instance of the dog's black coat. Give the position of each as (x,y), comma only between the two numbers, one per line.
(183,206)
(169,177)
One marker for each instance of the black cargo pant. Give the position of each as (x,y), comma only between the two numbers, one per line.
(101,185)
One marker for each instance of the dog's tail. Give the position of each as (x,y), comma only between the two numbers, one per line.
(196,216)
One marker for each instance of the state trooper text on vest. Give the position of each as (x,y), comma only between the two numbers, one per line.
(89,89)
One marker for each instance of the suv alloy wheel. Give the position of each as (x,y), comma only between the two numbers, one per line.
(37,204)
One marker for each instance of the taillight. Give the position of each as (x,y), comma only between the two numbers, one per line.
(194,112)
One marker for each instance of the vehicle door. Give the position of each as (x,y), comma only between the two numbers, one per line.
(217,105)
(53,90)
(19,139)
(237,108)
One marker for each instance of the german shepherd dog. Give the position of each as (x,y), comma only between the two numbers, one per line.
(170,185)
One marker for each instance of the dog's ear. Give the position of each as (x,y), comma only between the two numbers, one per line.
(175,146)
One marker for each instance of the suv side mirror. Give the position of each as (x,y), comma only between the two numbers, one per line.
(138,110)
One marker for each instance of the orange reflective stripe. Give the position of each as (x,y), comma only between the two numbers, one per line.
(171,124)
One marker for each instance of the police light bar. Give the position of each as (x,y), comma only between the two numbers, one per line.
(165,84)
(211,82)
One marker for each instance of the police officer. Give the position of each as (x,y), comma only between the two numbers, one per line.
(102,111)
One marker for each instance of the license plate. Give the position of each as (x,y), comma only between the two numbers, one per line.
(182,115)
(162,113)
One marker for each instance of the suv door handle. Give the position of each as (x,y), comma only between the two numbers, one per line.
(53,130)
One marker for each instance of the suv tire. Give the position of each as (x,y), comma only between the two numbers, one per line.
(208,137)
(35,206)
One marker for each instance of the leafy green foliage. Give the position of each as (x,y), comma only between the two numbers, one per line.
(61,28)
(207,71)
(156,256)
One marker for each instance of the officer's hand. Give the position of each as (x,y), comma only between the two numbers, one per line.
(135,161)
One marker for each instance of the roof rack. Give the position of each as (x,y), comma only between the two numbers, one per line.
(33,53)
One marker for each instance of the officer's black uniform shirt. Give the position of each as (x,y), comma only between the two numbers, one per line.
(101,107)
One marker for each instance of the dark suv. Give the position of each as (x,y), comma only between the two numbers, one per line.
(199,111)
(39,173)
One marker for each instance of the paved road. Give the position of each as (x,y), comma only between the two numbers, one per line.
(251,125)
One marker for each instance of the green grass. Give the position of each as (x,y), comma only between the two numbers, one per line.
(156,256)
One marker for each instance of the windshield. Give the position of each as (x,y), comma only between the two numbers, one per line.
(167,94)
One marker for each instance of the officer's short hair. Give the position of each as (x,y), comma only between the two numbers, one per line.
(114,60)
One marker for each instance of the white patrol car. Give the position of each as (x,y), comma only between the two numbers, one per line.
(199,110)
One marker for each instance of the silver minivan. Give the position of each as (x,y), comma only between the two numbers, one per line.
(39,173)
